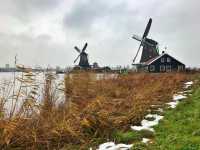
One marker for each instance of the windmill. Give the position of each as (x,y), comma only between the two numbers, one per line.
(83,63)
(150,47)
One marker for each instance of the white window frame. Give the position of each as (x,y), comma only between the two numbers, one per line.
(180,67)
(168,59)
(162,60)
(168,68)
(162,68)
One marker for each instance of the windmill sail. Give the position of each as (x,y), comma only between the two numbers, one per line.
(77,49)
(150,47)
(136,37)
(76,59)
(146,32)
(84,48)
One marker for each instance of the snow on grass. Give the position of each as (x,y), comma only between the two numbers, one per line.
(146,124)
(160,110)
(173,104)
(180,96)
(177,97)
(139,128)
(113,146)
(188,84)
(185,93)
(145,140)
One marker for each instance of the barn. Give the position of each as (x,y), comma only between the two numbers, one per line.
(163,63)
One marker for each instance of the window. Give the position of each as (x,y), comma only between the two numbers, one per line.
(152,68)
(168,68)
(180,68)
(162,68)
(168,59)
(163,60)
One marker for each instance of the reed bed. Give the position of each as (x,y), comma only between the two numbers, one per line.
(90,109)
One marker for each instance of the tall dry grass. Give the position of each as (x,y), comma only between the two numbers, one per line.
(91,108)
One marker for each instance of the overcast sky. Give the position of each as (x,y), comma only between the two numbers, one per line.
(44,32)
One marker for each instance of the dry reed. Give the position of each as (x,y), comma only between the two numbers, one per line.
(91,108)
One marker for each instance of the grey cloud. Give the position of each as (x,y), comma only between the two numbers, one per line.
(175,25)
(108,27)
(24,10)
(112,36)
(33,51)
(86,14)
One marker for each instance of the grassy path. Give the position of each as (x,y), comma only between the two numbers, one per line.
(180,129)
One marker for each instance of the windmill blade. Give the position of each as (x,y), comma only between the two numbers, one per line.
(77,49)
(136,37)
(137,53)
(146,32)
(76,59)
(84,48)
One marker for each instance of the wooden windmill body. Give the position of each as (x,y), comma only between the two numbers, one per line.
(149,46)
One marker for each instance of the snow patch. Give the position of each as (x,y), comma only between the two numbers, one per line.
(177,97)
(188,84)
(145,140)
(139,128)
(185,92)
(146,124)
(113,146)
(160,110)
(173,104)
(188,91)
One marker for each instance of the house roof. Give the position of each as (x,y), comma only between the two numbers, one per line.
(151,60)
(156,58)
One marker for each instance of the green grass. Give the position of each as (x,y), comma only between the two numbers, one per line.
(126,137)
(180,129)
(131,136)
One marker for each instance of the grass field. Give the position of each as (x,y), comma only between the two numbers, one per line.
(180,129)
(91,111)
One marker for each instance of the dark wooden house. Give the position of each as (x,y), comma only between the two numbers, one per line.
(163,63)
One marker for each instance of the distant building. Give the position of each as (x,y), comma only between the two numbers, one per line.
(57,68)
(95,65)
(163,63)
